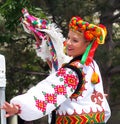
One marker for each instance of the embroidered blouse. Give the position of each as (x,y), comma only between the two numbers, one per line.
(88,105)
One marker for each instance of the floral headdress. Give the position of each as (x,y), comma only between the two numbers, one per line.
(92,33)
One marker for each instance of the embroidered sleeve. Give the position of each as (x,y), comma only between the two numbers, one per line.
(99,95)
(47,94)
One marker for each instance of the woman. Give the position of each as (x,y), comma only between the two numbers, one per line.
(75,91)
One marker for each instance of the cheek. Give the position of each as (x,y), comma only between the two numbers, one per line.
(81,48)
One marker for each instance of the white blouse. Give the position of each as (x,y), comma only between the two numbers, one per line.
(56,90)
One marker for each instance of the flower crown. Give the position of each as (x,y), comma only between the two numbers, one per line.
(92,33)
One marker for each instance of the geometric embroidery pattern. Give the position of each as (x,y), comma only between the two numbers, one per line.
(68,79)
(90,118)
(79,93)
(84,118)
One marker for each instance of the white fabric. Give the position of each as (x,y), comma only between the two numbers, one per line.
(57,39)
(67,105)
(84,103)
(28,109)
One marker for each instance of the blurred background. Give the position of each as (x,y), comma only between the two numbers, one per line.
(24,69)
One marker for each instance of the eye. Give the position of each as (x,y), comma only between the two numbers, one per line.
(74,40)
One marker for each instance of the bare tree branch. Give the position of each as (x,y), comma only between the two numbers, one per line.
(115,70)
(29,72)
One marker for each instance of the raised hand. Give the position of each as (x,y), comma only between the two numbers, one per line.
(11,109)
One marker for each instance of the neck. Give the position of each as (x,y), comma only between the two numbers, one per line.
(76,58)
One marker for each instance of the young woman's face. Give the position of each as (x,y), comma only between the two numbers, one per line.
(76,44)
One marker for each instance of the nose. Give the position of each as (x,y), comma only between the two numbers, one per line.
(68,42)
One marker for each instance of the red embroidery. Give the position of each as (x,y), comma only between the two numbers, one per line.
(61,72)
(50,98)
(74,96)
(41,105)
(97,97)
(60,90)
(71,80)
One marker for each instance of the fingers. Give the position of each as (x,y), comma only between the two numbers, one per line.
(9,108)
(3,106)
(6,106)
(7,115)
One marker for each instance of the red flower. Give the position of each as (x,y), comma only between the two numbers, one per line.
(41,105)
(88,35)
(60,89)
(61,72)
(71,80)
(50,98)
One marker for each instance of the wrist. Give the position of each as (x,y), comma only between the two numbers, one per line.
(18,109)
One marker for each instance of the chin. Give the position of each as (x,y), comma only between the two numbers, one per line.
(69,55)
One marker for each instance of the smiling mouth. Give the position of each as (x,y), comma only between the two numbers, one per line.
(69,49)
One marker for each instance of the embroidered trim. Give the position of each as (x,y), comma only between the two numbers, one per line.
(77,67)
(90,118)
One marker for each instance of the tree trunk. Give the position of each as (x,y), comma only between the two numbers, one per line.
(106,19)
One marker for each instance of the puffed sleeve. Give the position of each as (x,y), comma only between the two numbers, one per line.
(47,95)
(99,88)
